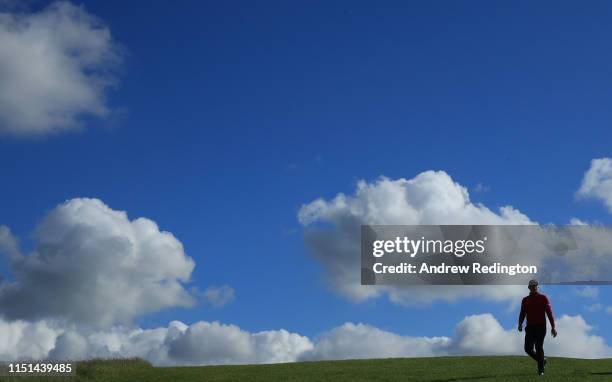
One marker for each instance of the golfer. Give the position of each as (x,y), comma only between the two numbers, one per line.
(535,306)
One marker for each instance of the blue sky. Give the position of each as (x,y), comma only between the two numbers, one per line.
(227,117)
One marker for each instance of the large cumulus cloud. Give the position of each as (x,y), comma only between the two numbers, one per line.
(55,66)
(93,265)
(431,197)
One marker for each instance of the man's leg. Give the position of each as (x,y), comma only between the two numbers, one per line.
(539,347)
(530,342)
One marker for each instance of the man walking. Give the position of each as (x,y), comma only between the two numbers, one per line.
(536,307)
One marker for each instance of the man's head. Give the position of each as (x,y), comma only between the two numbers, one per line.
(533,286)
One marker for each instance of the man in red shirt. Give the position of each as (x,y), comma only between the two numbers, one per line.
(536,307)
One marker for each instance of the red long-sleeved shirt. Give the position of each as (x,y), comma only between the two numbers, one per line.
(534,307)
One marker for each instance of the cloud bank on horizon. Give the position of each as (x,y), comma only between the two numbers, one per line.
(212,343)
(56,66)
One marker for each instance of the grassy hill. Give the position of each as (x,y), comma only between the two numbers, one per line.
(443,369)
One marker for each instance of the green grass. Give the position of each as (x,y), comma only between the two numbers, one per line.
(442,369)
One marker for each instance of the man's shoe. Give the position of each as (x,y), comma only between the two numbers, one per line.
(541,372)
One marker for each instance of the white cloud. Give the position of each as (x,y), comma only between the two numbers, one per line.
(25,340)
(218,296)
(576,221)
(353,341)
(475,335)
(482,334)
(332,235)
(598,307)
(8,243)
(215,343)
(587,291)
(595,307)
(575,340)
(481,187)
(93,265)
(202,343)
(431,197)
(205,343)
(55,66)
(597,182)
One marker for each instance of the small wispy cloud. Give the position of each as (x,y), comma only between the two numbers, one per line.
(587,292)
(219,296)
(481,187)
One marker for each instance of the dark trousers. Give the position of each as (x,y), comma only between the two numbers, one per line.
(534,337)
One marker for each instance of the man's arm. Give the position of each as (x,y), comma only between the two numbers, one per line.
(551,318)
(521,316)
